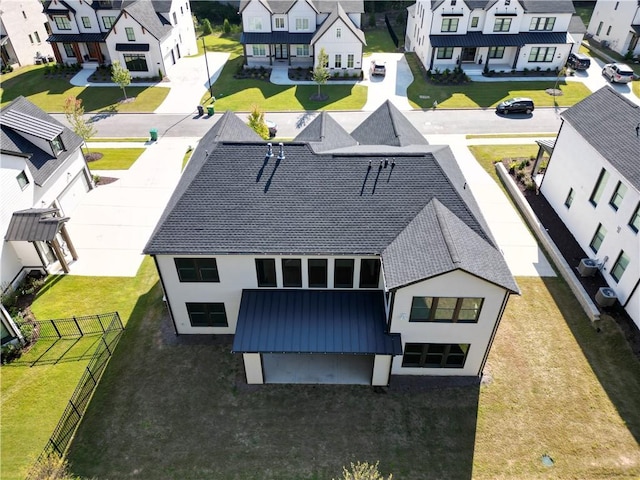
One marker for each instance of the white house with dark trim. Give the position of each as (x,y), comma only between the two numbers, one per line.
(592,181)
(505,34)
(294,31)
(145,36)
(334,258)
(43,177)
(617,24)
(23,36)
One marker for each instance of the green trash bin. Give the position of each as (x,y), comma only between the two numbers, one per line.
(154,134)
(210,110)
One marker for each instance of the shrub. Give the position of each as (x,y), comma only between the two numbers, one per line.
(9,353)
(512,167)
(226,26)
(28,332)
(206,27)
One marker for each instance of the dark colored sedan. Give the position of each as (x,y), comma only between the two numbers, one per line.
(516,105)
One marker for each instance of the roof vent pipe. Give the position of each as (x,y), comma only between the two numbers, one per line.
(281,154)
(269,150)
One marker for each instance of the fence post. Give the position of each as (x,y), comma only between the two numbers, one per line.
(56,329)
(106,345)
(100,322)
(78,326)
(91,375)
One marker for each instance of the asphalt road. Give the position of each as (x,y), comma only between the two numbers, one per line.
(428,122)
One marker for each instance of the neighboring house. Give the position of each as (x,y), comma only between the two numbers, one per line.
(43,177)
(23,36)
(145,36)
(9,331)
(617,25)
(501,35)
(592,181)
(334,258)
(295,31)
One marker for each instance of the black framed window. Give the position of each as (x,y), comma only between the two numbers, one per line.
(541,54)
(108,22)
(68,49)
(197,269)
(569,200)
(496,52)
(599,187)
(56,145)
(207,314)
(542,23)
(435,355)
(135,62)
(618,195)
(317,272)
(634,221)
(86,22)
(474,22)
(343,273)
(598,238)
(502,25)
(449,25)
(446,309)
(23,180)
(291,272)
(369,273)
(444,52)
(131,36)
(62,23)
(266,272)
(620,266)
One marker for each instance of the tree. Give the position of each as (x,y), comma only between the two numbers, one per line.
(226,26)
(121,76)
(257,123)
(363,471)
(320,71)
(206,27)
(74,111)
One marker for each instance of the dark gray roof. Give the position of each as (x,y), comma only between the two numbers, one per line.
(230,128)
(576,25)
(34,224)
(25,123)
(314,321)
(607,121)
(144,13)
(41,164)
(323,6)
(77,37)
(337,14)
(388,126)
(324,133)
(547,145)
(479,39)
(276,37)
(529,6)
(132,47)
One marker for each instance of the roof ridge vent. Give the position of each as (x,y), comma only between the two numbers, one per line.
(446,234)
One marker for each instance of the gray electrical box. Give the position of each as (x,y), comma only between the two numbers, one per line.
(605,296)
(587,267)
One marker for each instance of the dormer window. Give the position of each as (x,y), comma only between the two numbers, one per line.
(57,146)
(23,180)
(62,22)
(279,23)
(338,32)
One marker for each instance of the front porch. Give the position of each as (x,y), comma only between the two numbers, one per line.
(79,48)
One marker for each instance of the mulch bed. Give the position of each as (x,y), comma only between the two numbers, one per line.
(573,253)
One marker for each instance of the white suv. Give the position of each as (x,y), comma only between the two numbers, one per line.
(618,72)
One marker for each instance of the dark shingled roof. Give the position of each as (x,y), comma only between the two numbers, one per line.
(608,121)
(323,6)
(41,164)
(314,321)
(145,14)
(388,126)
(324,133)
(479,39)
(232,199)
(529,6)
(337,14)
(34,224)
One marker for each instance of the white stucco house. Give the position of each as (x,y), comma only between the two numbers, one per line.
(294,32)
(505,34)
(146,36)
(592,181)
(334,258)
(43,177)
(617,25)
(23,36)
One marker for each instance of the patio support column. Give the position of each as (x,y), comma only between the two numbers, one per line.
(100,56)
(515,61)
(60,255)
(65,235)
(253,368)
(433,55)
(56,52)
(76,50)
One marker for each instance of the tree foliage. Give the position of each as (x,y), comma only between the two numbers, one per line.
(52,467)
(320,71)
(121,76)
(226,26)
(206,27)
(257,123)
(363,471)
(74,111)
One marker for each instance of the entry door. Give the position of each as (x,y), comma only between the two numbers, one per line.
(468,54)
(282,51)
(93,51)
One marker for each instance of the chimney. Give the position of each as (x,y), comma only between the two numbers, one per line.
(281,154)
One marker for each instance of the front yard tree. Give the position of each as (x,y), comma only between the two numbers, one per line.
(321,72)
(206,27)
(74,111)
(121,76)
(257,123)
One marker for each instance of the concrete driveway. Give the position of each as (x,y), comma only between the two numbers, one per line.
(393,86)
(112,224)
(594,80)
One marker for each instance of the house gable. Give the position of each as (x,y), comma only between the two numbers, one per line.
(338,20)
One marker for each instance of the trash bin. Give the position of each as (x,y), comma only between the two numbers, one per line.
(154,134)
(200,110)
(210,110)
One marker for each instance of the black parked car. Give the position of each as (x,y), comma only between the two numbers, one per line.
(516,105)
(578,61)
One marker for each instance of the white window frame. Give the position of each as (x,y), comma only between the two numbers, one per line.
(259,50)
(255,23)
(302,24)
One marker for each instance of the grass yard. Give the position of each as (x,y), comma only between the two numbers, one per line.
(378,40)
(33,398)
(487,155)
(488,94)
(115,158)
(177,407)
(50,93)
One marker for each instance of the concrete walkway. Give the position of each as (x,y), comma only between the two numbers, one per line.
(113,222)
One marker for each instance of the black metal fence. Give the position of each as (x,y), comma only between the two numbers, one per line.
(112,328)
(75,326)
(394,37)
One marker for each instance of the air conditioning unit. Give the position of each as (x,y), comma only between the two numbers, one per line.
(605,296)
(587,267)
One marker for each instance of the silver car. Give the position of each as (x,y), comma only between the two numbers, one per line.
(618,72)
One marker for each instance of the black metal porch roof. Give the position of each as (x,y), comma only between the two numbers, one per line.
(276,37)
(478,39)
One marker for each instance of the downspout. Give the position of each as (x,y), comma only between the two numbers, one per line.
(633,290)
(551,156)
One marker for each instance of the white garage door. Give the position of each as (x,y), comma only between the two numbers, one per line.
(71,196)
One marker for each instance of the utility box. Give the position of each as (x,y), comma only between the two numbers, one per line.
(587,267)
(153,133)
(605,296)
(200,110)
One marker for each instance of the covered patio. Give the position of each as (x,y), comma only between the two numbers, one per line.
(315,336)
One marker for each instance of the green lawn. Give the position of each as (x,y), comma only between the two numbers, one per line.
(51,93)
(488,94)
(487,155)
(584,9)
(378,40)
(115,158)
(33,398)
